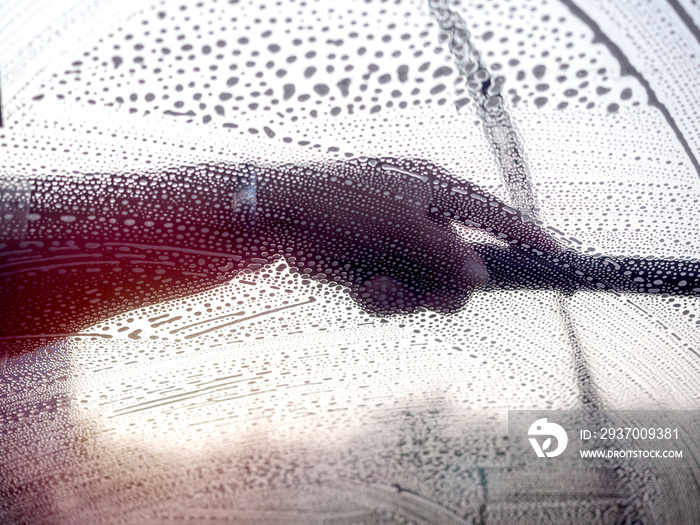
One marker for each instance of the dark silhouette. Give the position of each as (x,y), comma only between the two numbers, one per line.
(82,248)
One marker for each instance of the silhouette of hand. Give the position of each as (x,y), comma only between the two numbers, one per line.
(371,226)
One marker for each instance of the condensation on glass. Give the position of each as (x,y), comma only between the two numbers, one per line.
(466,208)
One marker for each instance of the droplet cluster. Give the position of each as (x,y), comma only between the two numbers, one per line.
(296,259)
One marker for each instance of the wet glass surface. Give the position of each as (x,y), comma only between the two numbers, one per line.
(293,262)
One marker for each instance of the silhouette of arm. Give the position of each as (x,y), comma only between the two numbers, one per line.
(92,246)
(96,245)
